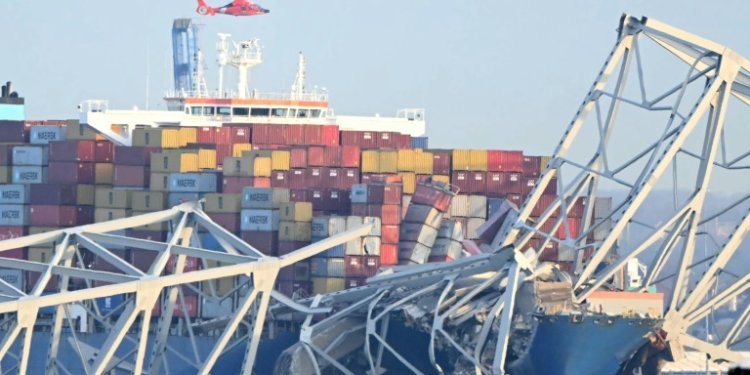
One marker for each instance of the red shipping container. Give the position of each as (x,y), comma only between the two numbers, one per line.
(294,134)
(53,216)
(191,304)
(134,155)
(142,259)
(7,233)
(331,178)
(516,199)
(315,177)
(403,141)
(388,254)
(191,264)
(504,161)
(368,140)
(72,150)
(384,194)
(331,156)
(361,266)
(223,151)
(389,234)
(71,173)
(207,134)
(6,154)
(354,282)
(280,179)
(228,221)
(316,156)
(542,204)
(298,179)
(235,184)
(430,196)
(286,247)
(233,134)
(13,132)
(574,225)
(101,264)
(532,166)
(265,242)
(495,185)
(318,199)
(528,184)
(33,277)
(104,152)
(507,182)
(349,138)
(313,135)
(359,209)
(349,156)
(470,182)
(389,214)
(299,195)
(441,162)
(347,178)
(339,201)
(261,182)
(298,158)
(387,140)
(131,176)
(330,135)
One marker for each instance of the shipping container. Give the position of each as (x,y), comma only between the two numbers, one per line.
(135,155)
(389,214)
(327,267)
(224,203)
(176,199)
(235,184)
(265,198)
(29,175)
(413,253)
(107,214)
(409,182)
(228,221)
(419,142)
(259,220)
(433,195)
(280,160)
(147,137)
(13,131)
(104,152)
(72,151)
(445,247)
(296,211)
(30,155)
(370,161)
(44,134)
(324,285)
(417,232)
(131,176)
(71,173)
(147,201)
(14,215)
(347,178)
(326,226)
(234,134)
(388,161)
(330,135)
(472,224)
(349,156)
(17,193)
(264,241)
(280,179)
(384,194)
(424,215)
(112,198)
(451,229)
(104,173)
(295,231)
(193,182)
(262,166)
(174,161)
(361,266)
(388,254)
(56,216)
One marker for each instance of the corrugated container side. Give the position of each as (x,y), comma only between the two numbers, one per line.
(478,160)
(295,231)
(104,152)
(388,254)
(280,160)
(330,135)
(104,173)
(349,156)
(239,148)
(135,155)
(188,135)
(298,158)
(407,160)
(206,159)
(324,285)
(388,161)
(131,176)
(170,138)
(113,198)
(18,193)
(409,182)
(370,161)
(30,155)
(264,241)
(193,182)
(424,163)
(505,161)
(143,137)
(259,220)
(72,151)
(419,142)
(262,167)
(461,160)
(44,134)
(71,173)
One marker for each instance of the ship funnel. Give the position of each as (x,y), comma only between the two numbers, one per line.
(4,92)
(8,89)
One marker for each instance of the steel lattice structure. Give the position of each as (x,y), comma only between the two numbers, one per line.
(237,258)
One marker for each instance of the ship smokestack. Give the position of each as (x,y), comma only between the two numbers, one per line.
(8,89)
(4,92)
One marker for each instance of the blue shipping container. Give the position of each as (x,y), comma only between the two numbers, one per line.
(109,304)
(419,142)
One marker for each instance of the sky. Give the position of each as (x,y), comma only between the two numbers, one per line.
(490,74)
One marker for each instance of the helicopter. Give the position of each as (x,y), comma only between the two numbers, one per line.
(235,8)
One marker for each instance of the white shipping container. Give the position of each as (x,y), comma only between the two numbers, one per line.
(215,307)
(30,155)
(376,225)
(14,215)
(44,134)
(447,247)
(451,229)
(460,206)
(326,226)
(471,227)
(370,246)
(29,175)
(259,220)
(413,253)
(354,222)
(14,194)
(175,199)
(415,232)
(354,247)
(255,197)
(478,206)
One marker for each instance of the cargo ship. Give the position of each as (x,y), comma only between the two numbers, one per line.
(282,172)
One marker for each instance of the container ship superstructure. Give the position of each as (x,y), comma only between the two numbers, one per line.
(282,173)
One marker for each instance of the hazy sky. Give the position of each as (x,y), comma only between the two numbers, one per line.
(491,74)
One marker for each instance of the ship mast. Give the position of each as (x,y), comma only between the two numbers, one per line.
(298,87)
(246,54)
(223,49)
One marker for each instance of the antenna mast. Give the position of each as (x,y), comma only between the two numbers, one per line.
(222,46)
(298,87)
(246,54)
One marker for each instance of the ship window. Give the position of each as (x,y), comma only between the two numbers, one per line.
(196,111)
(279,112)
(225,111)
(303,113)
(240,111)
(315,113)
(209,111)
(292,112)
(264,112)
(187,110)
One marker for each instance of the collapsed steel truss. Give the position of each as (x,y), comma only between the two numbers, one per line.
(467,306)
(236,258)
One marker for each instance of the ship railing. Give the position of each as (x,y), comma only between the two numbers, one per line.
(93,105)
(319,96)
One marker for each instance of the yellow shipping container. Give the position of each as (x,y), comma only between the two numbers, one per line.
(206,159)
(441,178)
(159,181)
(238,148)
(424,162)
(147,137)
(75,131)
(85,195)
(407,160)
(479,160)
(188,135)
(220,286)
(409,180)
(370,161)
(280,160)
(105,173)
(262,167)
(40,254)
(106,214)
(189,163)
(170,138)
(388,161)
(461,160)
(6,175)
(323,285)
